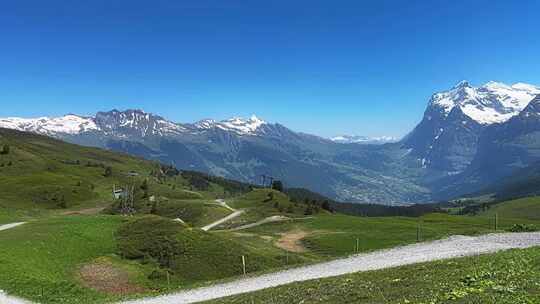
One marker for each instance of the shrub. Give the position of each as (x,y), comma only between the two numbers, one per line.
(108,171)
(5,149)
(158,274)
(152,236)
(188,254)
(277,185)
(62,202)
(523,228)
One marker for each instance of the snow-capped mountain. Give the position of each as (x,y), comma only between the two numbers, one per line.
(493,102)
(135,123)
(358,139)
(237,125)
(446,139)
(68,124)
(502,150)
(128,123)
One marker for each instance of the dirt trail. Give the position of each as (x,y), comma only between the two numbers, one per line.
(292,241)
(88,211)
(270,219)
(105,277)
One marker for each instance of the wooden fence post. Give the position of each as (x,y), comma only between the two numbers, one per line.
(244,264)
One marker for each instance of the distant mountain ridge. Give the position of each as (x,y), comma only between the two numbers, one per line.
(359,139)
(128,122)
(468,138)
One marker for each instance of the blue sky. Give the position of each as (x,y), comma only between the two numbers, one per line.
(323,67)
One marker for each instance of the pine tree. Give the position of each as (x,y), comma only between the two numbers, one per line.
(62,202)
(326,206)
(277,185)
(108,171)
(144,188)
(5,149)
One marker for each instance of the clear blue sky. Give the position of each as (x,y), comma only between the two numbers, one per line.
(323,67)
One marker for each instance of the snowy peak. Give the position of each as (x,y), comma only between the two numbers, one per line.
(120,123)
(462,84)
(135,122)
(238,125)
(67,124)
(494,102)
(532,109)
(358,139)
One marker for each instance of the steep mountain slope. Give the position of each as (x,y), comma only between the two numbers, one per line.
(447,137)
(508,155)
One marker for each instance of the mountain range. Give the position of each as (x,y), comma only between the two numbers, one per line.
(469,138)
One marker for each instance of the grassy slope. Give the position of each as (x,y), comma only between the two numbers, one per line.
(191,255)
(524,208)
(336,235)
(43,170)
(39,260)
(507,277)
(262,203)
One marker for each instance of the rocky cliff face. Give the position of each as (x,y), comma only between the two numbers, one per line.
(447,137)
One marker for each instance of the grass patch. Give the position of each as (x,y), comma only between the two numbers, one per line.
(39,260)
(524,208)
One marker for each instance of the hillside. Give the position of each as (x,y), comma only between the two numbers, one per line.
(524,208)
(41,175)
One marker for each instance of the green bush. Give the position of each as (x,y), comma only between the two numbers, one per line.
(523,228)
(190,255)
(152,236)
(5,149)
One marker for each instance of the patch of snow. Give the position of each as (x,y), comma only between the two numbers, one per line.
(238,125)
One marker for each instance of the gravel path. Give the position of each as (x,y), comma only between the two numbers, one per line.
(223,203)
(271,219)
(453,247)
(5,299)
(223,220)
(9,226)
